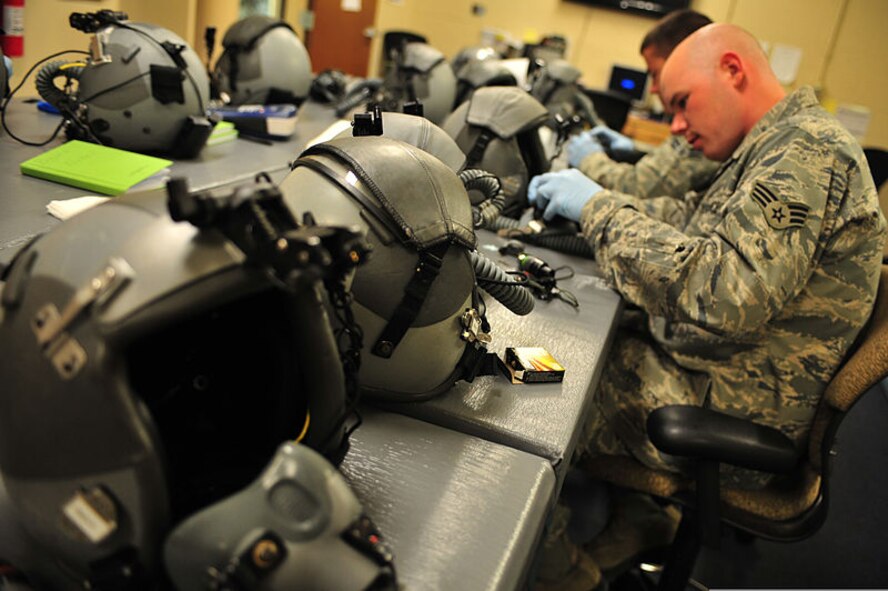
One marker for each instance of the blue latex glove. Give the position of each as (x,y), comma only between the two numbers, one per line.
(580,146)
(616,142)
(562,193)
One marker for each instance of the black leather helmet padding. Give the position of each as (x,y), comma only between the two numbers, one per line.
(419,192)
(423,196)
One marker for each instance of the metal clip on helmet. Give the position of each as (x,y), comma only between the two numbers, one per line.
(498,129)
(164,366)
(297,526)
(416,299)
(264,62)
(143,88)
(420,73)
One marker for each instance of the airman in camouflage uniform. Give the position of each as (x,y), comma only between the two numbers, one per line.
(672,168)
(755,289)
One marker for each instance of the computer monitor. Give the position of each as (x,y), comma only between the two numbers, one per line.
(629,81)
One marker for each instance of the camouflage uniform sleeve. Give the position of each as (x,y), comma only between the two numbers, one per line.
(674,211)
(733,279)
(672,168)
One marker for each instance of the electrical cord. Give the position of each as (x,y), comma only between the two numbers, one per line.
(8,99)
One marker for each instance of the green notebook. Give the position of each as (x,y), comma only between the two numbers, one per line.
(93,167)
(223,132)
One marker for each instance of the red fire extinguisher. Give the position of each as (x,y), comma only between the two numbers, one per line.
(14,26)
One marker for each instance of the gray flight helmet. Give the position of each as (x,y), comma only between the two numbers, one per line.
(264,62)
(498,129)
(420,73)
(475,75)
(297,526)
(556,85)
(142,90)
(154,372)
(418,220)
(471,54)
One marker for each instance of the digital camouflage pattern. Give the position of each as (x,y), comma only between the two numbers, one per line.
(755,289)
(672,169)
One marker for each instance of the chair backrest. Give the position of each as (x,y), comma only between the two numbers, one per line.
(878,164)
(612,107)
(866,367)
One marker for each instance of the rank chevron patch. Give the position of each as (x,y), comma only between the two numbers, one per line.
(779,215)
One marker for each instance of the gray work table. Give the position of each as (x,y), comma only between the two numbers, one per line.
(460,512)
(542,419)
(23,199)
(462,494)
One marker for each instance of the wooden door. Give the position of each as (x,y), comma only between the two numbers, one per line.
(340,37)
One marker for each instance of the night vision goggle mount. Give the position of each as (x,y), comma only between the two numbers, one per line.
(258,221)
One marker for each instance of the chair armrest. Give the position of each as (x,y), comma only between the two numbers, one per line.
(704,434)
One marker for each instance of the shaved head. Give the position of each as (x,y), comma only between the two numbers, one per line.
(718,84)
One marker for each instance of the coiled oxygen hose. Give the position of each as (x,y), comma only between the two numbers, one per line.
(45,81)
(492,279)
(488,184)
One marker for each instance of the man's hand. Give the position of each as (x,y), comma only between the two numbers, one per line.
(581,145)
(614,141)
(562,193)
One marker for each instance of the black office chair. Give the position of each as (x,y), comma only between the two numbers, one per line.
(612,107)
(788,511)
(877,159)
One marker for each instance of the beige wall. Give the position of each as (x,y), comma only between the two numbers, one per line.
(843,42)
(47,30)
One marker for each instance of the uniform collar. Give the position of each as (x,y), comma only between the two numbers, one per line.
(801,99)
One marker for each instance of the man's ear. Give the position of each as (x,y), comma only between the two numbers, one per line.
(732,66)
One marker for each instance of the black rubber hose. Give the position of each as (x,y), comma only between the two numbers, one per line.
(324,386)
(505,223)
(499,284)
(569,243)
(45,82)
(488,184)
